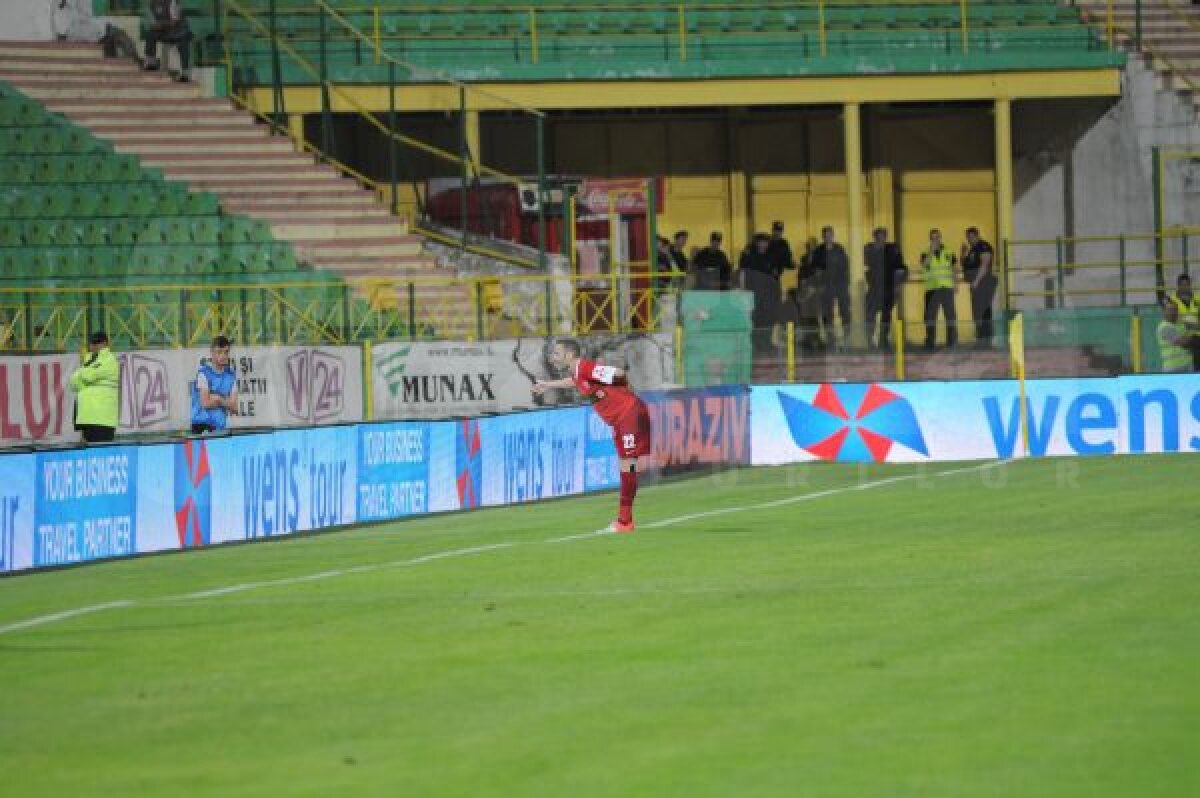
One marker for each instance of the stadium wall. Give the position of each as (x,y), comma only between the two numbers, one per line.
(66,506)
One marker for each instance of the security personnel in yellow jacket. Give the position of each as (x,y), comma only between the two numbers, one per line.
(96,385)
(1189,310)
(1176,344)
(940,269)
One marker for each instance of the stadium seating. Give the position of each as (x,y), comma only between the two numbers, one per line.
(74,213)
(615,39)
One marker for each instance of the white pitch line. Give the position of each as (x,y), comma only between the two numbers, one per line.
(580,536)
(43,620)
(62,616)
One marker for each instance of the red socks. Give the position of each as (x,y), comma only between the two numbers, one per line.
(628,491)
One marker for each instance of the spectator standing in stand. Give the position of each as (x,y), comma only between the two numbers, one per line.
(780,251)
(977,261)
(679,251)
(1177,345)
(885,267)
(756,274)
(1189,310)
(711,269)
(829,260)
(940,268)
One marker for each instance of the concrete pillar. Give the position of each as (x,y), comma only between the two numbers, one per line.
(739,211)
(1002,119)
(295,123)
(852,138)
(473,140)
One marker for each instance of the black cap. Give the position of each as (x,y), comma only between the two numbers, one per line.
(776,225)
(98,337)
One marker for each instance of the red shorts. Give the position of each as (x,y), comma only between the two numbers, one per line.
(631,433)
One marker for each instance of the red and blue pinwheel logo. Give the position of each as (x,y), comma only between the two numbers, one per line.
(193,494)
(468,458)
(853,423)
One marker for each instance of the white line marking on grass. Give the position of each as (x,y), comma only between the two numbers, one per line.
(42,620)
(580,536)
(441,555)
(62,616)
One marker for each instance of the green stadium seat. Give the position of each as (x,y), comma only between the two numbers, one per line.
(142,203)
(143,261)
(81,203)
(13,170)
(25,205)
(123,232)
(206,230)
(200,204)
(39,233)
(153,232)
(111,202)
(11,234)
(203,260)
(94,234)
(166,204)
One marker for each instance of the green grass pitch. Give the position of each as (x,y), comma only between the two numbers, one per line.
(1029,629)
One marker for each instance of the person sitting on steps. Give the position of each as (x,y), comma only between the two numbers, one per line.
(170,26)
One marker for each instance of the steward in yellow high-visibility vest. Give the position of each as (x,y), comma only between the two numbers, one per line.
(938,265)
(96,384)
(1176,344)
(1189,310)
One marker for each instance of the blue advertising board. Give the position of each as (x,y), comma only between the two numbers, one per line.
(942,421)
(60,507)
(85,505)
(16,511)
(599,455)
(393,470)
(530,456)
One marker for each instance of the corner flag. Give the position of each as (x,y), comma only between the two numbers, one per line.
(1016,348)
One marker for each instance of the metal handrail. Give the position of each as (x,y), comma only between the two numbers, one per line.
(349,98)
(379,54)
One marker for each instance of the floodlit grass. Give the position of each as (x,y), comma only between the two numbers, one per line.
(1028,629)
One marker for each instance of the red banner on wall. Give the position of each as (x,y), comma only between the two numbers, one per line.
(35,404)
(626,194)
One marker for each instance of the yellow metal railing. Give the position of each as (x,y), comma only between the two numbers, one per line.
(1126,257)
(427,308)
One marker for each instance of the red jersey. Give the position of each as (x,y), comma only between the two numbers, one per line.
(611,398)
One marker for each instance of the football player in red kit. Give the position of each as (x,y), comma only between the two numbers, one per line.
(607,387)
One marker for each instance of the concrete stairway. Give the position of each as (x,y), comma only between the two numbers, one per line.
(333,222)
(1170,37)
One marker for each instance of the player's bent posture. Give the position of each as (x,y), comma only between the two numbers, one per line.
(608,389)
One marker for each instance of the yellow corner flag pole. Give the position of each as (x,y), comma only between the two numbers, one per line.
(1016,348)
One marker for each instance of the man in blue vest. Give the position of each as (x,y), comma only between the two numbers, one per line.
(214,393)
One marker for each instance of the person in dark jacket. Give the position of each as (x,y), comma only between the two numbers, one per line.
(780,251)
(711,270)
(829,260)
(667,277)
(168,25)
(756,273)
(978,266)
(679,251)
(885,269)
